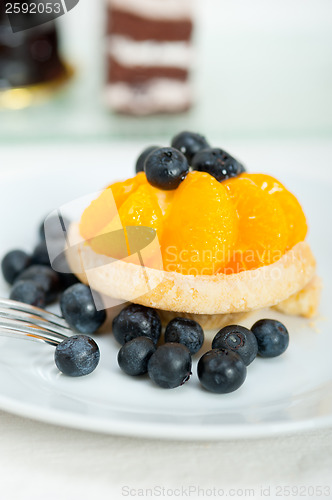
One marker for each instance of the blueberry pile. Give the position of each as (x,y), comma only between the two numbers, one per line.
(138,329)
(34,282)
(32,278)
(222,369)
(167,167)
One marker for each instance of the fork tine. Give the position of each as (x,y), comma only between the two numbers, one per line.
(7,332)
(35,320)
(12,328)
(36,311)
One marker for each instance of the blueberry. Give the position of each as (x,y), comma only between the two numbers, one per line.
(185,331)
(272,337)
(237,339)
(77,356)
(56,227)
(29,293)
(67,278)
(143,156)
(221,371)
(189,144)
(217,163)
(136,321)
(79,310)
(42,251)
(166,168)
(40,254)
(44,277)
(170,365)
(13,263)
(134,355)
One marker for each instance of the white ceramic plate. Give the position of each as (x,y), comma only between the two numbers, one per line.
(286,394)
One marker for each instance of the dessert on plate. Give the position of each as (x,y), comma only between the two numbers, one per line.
(216,241)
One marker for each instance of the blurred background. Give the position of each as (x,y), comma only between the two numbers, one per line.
(261,70)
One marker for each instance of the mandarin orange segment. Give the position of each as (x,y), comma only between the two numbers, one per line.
(263,228)
(164,199)
(111,240)
(121,190)
(296,219)
(141,208)
(201,227)
(102,210)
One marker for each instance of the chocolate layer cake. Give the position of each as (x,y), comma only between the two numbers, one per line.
(149,56)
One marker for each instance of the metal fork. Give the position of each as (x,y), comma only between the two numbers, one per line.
(32,323)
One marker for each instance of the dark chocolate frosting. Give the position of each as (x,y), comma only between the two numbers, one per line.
(28,57)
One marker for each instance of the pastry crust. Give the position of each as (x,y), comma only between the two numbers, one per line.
(305,302)
(219,294)
(207,321)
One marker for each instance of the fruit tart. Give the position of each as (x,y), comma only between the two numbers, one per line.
(194,234)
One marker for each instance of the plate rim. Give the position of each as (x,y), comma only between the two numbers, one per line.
(162,431)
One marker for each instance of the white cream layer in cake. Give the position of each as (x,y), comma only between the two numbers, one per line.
(156,9)
(150,53)
(155,96)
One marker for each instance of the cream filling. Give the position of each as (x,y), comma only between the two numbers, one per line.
(156,9)
(150,53)
(157,95)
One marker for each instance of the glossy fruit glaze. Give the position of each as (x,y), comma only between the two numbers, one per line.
(204,226)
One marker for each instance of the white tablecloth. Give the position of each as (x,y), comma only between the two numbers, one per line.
(40,461)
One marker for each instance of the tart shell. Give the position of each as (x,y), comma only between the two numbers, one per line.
(204,296)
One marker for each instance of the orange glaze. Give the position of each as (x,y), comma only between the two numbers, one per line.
(204,227)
